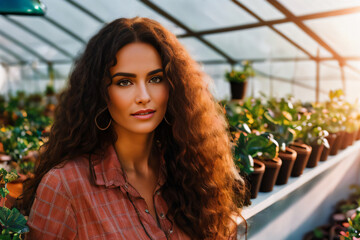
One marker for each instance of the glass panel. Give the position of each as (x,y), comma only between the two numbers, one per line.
(254,43)
(206,14)
(218,86)
(111,10)
(199,51)
(26,56)
(53,34)
(301,7)
(329,71)
(298,70)
(6,57)
(339,33)
(72,18)
(31,42)
(263,9)
(302,39)
(350,73)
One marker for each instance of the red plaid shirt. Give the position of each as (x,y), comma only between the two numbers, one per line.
(68,206)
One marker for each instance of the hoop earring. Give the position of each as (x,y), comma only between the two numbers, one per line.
(167,121)
(97,125)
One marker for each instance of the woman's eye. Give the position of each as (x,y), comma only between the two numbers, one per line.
(156,79)
(123,83)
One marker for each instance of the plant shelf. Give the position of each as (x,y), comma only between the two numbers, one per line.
(264,200)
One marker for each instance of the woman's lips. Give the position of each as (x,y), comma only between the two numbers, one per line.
(143,116)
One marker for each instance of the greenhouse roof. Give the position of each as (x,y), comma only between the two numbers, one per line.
(296,35)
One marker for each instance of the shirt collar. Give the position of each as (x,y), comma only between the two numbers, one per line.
(108,171)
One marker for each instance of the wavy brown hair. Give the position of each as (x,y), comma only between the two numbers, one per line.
(201,181)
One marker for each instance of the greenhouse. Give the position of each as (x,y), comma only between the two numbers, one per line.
(282,74)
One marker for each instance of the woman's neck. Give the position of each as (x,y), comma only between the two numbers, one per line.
(134,152)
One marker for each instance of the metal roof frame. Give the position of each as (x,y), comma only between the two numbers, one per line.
(289,17)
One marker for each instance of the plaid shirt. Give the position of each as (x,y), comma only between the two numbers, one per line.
(68,206)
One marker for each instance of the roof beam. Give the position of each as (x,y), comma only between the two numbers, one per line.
(321,59)
(274,29)
(306,29)
(64,29)
(310,33)
(276,21)
(23,46)
(53,45)
(12,53)
(180,24)
(86,11)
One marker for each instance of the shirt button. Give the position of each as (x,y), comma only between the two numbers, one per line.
(146,210)
(162,215)
(170,231)
(126,186)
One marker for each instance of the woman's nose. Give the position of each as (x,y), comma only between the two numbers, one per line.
(142,95)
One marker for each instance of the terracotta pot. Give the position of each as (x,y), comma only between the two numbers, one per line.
(315,155)
(325,153)
(238,89)
(347,140)
(337,143)
(351,138)
(272,168)
(358,135)
(288,159)
(256,177)
(303,153)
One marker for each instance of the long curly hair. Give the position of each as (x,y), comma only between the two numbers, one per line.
(202,188)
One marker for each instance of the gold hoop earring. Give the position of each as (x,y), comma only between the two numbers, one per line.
(97,125)
(167,121)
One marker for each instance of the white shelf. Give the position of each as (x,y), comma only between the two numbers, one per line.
(264,200)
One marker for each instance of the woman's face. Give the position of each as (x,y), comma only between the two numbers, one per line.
(138,92)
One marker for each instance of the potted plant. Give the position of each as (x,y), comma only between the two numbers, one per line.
(353,227)
(253,170)
(238,80)
(267,152)
(313,135)
(13,223)
(335,121)
(279,117)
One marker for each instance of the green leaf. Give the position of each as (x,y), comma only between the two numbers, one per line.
(13,220)
(4,192)
(318,233)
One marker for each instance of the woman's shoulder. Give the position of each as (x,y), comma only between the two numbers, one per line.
(67,176)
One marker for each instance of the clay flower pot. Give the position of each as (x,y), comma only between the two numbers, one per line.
(288,159)
(272,168)
(358,135)
(347,140)
(315,155)
(303,153)
(337,143)
(238,89)
(256,177)
(325,153)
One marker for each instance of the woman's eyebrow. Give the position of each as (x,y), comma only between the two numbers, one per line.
(134,75)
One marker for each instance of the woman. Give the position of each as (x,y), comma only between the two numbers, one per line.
(138,148)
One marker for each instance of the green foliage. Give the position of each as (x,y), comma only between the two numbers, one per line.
(13,223)
(249,145)
(13,220)
(240,75)
(17,141)
(318,233)
(353,229)
(280,116)
(249,112)
(50,90)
